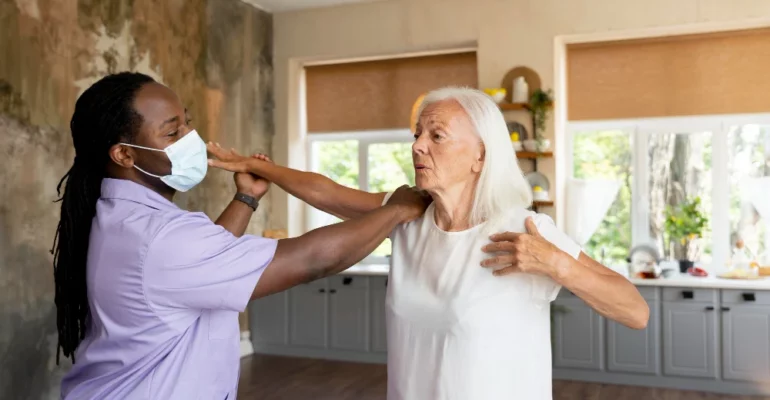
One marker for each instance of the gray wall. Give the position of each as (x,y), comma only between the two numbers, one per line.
(215,53)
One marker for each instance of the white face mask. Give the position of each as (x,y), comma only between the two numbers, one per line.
(189,162)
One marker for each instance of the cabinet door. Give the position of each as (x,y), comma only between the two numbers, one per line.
(268,320)
(746,342)
(631,350)
(347,312)
(377,300)
(308,314)
(577,335)
(689,339)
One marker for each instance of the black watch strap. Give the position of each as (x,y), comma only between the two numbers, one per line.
(248,200)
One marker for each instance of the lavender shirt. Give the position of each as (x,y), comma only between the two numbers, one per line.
(164,287)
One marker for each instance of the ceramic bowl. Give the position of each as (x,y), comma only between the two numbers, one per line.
(517,146)
(532,145)
(497,94)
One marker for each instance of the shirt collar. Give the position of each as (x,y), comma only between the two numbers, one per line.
(124,189)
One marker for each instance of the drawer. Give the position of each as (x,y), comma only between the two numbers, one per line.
(378,282)
(348,281)
(648,292)
(565,294)
(740,296)
(689,295)
(318,283)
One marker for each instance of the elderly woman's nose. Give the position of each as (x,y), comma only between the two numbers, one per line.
(419,146)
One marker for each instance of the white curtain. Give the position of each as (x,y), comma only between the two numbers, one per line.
(757,192)
(587,204)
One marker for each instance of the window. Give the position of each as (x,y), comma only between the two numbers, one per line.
(679,169)
(607,155)
(370,161)
(749,158)
(663,161)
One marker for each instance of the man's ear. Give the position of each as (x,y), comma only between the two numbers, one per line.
(122,155)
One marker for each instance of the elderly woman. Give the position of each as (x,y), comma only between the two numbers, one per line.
(468,310)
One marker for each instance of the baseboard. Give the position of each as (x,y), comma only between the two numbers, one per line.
(247,348)
(711,385)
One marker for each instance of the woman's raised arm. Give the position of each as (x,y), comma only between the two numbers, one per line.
(312,188)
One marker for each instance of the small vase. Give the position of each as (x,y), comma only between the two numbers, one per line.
(684,265)
(520,90)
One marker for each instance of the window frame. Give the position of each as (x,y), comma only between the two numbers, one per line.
(364,139)
(640,130)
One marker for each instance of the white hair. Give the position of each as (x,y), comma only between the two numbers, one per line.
(501,186)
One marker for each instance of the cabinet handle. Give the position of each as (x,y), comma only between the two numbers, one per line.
(332,291)
(321,290)
(725,308)
(687,294)
(710,308)
(347,280)
(749,297)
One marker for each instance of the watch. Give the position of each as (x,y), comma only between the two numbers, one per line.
(248,200)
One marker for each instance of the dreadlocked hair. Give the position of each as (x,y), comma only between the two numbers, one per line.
(104,115)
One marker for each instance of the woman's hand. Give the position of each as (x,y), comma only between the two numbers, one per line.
(245,181)
(412,202)
(523,252)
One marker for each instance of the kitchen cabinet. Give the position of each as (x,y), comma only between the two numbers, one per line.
(699,338)
(689,333)
(577,334)
(348,310)
(379,289)
(270,317)
(635,351)
(745,335)
(307,314)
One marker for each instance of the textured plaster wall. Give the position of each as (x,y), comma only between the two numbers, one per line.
(216,54)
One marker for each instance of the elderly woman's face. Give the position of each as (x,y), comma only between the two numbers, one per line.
(446,151)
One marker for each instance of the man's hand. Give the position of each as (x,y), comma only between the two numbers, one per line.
(245,182)
(523,252)
(412,202)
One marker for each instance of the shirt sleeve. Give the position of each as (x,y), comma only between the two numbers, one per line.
(193,263)
(545,288)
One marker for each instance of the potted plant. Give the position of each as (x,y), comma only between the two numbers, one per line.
(684,226)
(540,104)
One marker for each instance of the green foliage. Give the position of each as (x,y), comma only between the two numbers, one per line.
(539,105)
(607,155)
(390,166)
(686,221)
(339,161)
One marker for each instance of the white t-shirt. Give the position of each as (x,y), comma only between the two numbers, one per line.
(455,331)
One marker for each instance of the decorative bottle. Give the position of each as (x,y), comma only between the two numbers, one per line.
(520,90)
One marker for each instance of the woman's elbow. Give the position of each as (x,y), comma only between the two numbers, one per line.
(640,316)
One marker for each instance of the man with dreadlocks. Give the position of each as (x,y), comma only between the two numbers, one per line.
(147,294)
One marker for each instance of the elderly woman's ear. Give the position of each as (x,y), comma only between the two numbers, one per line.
(478,165)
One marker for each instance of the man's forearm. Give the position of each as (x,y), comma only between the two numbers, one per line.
(337,247)
(235,218)
(607,292)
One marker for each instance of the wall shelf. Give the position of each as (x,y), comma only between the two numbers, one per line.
(513,106)
(538,203)
(517,106)
(531,155)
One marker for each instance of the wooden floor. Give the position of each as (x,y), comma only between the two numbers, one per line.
(279,378)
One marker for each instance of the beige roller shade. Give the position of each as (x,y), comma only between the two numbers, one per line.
(721,73)
(379,94)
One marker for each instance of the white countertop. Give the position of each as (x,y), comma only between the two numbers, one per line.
(678,280)
(711,281)
(367,269)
